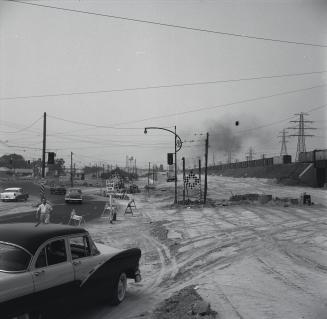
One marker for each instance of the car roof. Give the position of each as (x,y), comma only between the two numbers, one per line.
(30,236)
(13,189)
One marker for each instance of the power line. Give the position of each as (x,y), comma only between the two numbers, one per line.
(114,126)
(151,87)
(220,106)
(23,129)
(280,121)
(95,125)
(189,28)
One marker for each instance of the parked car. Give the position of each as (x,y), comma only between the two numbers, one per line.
(13,194)
(42,266)
(57,190)
(74,195)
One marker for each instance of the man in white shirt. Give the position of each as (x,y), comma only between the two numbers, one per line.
(43,212)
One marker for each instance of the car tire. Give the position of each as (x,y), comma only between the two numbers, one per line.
(119,289)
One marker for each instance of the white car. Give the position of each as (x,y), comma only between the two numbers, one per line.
(13,194)
(74,195)
(46,268)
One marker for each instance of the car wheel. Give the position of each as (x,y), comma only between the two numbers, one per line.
(119,289)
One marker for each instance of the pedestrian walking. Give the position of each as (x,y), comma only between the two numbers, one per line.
(43,212)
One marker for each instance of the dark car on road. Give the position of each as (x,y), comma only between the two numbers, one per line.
(58,189)
(43,266)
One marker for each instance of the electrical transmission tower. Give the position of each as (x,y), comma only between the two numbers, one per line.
(229,156)
(301,133)
(250,154)
(283,150)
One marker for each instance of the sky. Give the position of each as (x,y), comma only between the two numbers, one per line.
(101,79)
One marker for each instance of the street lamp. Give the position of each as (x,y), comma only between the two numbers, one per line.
(178,146)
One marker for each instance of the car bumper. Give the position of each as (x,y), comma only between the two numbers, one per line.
(8,198)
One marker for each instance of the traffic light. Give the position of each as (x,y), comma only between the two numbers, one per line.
(51,156)
(170,158)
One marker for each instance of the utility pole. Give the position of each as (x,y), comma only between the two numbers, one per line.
(301,133)
(183,159)
(71,170)
(175,201)
(44,142)
(149,175)
(206,170)
(229,156)
(200,179)
(283,150)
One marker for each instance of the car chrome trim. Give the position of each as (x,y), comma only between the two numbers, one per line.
(91,272)
(22,248)
(15,245)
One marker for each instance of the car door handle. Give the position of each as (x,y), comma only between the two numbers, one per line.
(76,263)
(38,273)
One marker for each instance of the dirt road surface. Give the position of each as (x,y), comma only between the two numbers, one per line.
(247,260)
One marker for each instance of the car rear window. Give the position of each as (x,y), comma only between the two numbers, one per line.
(75,191)
(13,258)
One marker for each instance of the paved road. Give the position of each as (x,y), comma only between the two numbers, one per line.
(90,208)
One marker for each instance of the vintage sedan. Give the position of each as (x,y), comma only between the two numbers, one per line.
(43,266)
(13,194)
(74,195)
(58,189)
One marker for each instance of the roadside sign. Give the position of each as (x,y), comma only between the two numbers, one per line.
(191,180)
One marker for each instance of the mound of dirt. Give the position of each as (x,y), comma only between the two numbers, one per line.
(185,304)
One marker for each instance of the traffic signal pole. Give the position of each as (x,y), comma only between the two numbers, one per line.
(177,148)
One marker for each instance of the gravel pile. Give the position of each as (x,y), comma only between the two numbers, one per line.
(185,304)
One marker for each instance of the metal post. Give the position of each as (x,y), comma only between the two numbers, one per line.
(175,167)
(183,159)
(206,170)
(149,175)
(44,142)
(71,170)
(200,180)
(153,177)
(176,150)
